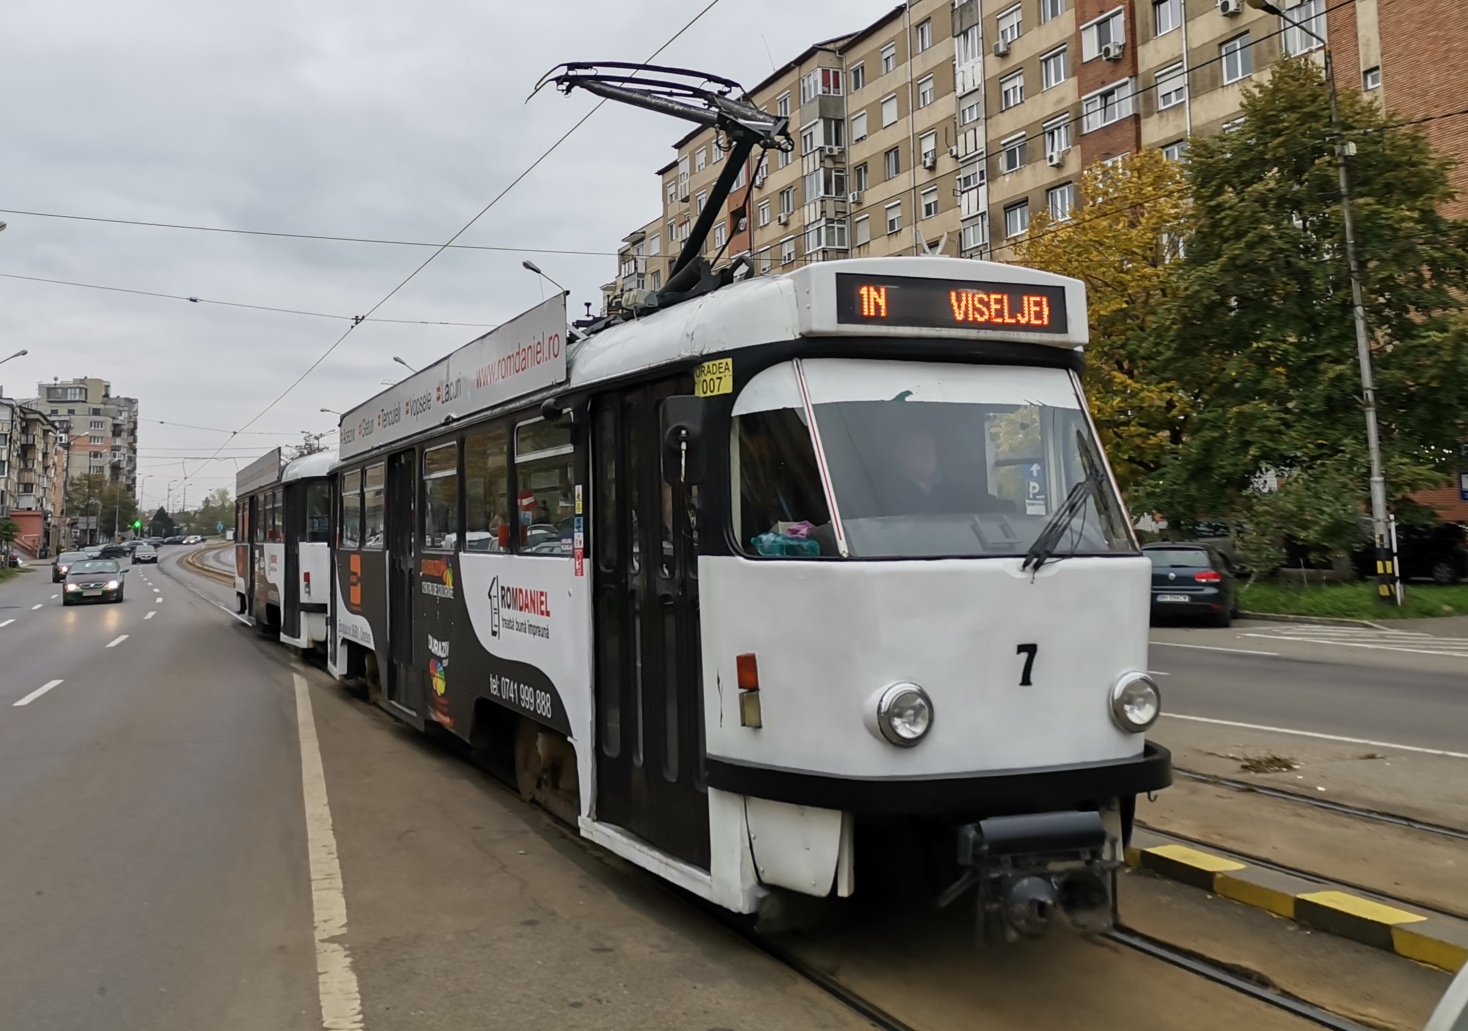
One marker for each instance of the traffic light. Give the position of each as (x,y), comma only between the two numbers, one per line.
(137,524)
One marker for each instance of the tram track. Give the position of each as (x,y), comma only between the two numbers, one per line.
(194,560)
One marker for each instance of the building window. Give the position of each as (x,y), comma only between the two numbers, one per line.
(699,201)
(889,110)
(825,182)
(892,160)
(862,227)
(655,244)
(1172,87)
(894,217)
(928,148)
(787,200)
(975,234)
(764,213)
(923,36)
(720,235)
(968,46)
(1016,219)
(821,82)
(1057,135)
(1060,199)
(787,250)
(810,138)
(833,132)
(1166,16)
(1052,69)
(1108,106)
(1011,91)
(1370,79)
(1238,59)
(858,76)
(716,152)
(926,91)
(782,104)
(826,235)
(1233,123)
(672,232)
(1051,9)
(859,177)
(1176,151)
(657,280)
(672,192)
(858,127)
(969,113)
(1110,28)
(889,58)
(700,159)
(1013,157)
(1011,24)
(1306,14)
(930,202)
(970,178)
(784,159)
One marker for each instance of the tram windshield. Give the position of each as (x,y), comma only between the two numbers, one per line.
(924,460)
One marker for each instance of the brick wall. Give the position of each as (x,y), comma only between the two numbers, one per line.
(1424,67)
(1120,137)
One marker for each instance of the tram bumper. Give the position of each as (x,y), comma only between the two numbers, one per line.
(1035,871)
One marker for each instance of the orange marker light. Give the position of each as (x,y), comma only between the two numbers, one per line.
(748,672)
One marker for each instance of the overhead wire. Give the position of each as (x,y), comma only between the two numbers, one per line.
(469,224)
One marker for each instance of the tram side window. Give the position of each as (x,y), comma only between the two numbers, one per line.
(545,481)
(352,509)
(779,508)
(274,530)
(487,489)
(441,498)
(372,505)
(318,512)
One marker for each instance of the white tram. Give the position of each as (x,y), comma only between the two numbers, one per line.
(282,577)
(815,583)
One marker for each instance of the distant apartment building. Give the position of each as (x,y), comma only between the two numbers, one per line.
(102,427)
(32,476)
(946,125)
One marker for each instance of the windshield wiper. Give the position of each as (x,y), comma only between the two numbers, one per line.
(1075,502)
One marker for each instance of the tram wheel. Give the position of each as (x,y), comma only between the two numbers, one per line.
(374,679)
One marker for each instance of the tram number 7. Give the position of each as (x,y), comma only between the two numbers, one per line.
(1029,651)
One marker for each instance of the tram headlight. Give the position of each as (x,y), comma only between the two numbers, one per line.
(1136,702)
(904,714)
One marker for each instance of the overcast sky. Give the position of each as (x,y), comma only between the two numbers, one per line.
(359,118)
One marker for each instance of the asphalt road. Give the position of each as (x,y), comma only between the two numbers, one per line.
(198,832)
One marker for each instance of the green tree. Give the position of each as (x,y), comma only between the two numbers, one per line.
(161,524)
(9,531)
(218,508)
(1263,337)
(117,511)
(1122,243)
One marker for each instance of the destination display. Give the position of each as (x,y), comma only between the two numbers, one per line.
(949,304)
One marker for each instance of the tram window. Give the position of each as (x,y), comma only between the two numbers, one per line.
(778,486)
(441,497)
(545,480)
(487,489)
(318,512)
(372,506)
(604,509)
(274,532)
(352,509)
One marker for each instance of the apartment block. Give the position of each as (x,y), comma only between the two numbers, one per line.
(102,427)
(32,476)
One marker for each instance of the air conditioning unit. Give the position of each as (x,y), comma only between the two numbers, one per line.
(854,197)
(1001,47)
(831,152)
(783,219)
(953,152)
(1055,158)
(1230,7)
(1111,51)
(930,161)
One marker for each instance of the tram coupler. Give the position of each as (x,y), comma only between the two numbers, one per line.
(1034,872)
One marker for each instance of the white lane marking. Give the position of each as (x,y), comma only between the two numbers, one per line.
(119,640)
(7,622)
(35,607)
(1211,648)
(151,614)
(336,981)
(1322,737)
(37,693)
(1374,647)
(55,596)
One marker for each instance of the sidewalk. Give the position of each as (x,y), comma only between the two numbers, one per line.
(1442,626)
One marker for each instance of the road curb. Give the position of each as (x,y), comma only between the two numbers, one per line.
(1280,617)
(1426,937)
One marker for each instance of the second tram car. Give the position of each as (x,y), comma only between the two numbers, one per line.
(817,581)
(283,546)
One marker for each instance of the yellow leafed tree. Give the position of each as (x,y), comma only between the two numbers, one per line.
(1129,224)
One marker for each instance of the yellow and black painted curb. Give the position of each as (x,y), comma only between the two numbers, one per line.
(1427,937)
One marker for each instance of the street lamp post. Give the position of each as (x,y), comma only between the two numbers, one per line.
(531,266)
(18,354)
(403,364)
(1386,571)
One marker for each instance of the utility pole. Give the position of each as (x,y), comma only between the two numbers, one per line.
(1386,566)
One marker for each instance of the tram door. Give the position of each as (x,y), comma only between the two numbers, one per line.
(293,532)
(650,777)
(402,563)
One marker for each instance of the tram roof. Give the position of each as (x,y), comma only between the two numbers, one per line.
(309,467)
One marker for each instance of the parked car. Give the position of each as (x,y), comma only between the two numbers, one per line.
(145,553)
(176,539)
(95,579)
(1438,553)
(1192,581)
(193,538)
(112,551)
(64,562)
